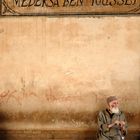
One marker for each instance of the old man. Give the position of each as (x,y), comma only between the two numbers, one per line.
(111,121)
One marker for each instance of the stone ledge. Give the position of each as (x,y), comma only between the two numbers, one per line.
(56,135)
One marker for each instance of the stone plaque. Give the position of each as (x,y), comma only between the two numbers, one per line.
(69,7)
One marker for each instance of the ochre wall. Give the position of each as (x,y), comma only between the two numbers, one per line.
(57,72)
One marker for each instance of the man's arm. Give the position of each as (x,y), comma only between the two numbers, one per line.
(114,123)
(102,122)
(123,124)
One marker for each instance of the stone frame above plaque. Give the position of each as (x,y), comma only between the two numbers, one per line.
(68,7)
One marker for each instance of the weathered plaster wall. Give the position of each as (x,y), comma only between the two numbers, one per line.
(57,72)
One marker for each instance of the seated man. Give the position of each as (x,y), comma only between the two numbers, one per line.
(112,122)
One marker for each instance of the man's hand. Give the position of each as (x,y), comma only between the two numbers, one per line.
(117,122)
(122,124)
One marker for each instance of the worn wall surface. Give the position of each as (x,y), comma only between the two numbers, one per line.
(56,72)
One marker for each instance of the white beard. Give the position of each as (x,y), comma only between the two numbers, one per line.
(115,110)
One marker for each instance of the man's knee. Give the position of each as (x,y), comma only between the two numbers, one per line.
(117,138)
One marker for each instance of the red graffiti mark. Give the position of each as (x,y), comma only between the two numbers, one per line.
(62,98)
(7,95)
(4,94)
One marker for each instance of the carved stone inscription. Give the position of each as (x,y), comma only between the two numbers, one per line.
(72,7)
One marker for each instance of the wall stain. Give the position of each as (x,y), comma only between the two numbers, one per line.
(1,31)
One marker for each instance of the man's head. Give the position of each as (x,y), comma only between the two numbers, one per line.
(112,102)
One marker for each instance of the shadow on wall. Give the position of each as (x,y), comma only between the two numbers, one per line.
(75,134)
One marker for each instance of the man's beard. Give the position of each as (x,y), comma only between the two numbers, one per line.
(115,110)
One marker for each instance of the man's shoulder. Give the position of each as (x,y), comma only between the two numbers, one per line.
(101,112)
(106,111)
(122,112)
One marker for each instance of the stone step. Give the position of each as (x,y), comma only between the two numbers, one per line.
(55,135)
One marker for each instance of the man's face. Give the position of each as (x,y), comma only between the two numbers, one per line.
(114,106)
